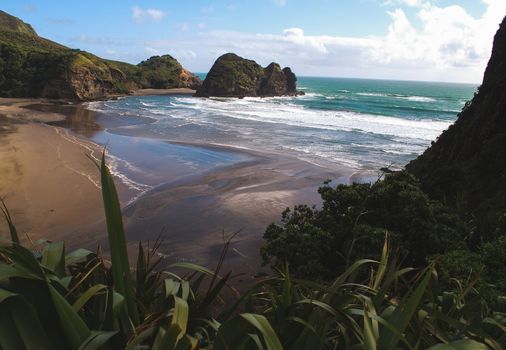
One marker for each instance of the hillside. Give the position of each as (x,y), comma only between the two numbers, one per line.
(31,66)
(466,166)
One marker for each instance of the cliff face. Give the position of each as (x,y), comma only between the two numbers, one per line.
(83,76)
(234,76)
(31,66)
(466,166)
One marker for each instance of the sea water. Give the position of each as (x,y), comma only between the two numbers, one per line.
(363,124)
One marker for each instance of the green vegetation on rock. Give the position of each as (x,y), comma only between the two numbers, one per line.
(31,66)
(164,72)
(234,76)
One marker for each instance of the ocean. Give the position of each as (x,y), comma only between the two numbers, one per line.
(362,124)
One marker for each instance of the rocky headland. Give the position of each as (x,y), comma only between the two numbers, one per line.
(31,66)
(234,76)
(466,166)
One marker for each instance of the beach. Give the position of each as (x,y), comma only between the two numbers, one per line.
(47,181)
(51,186)
(196,171)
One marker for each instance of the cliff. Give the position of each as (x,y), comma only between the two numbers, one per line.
(466,166)
(234,76)
(31,66)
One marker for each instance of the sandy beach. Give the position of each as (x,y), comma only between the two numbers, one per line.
(51,187)
(49,184)
(161,92)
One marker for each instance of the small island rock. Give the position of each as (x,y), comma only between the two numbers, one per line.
(234,76)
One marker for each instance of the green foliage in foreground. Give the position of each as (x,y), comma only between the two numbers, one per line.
(52,299)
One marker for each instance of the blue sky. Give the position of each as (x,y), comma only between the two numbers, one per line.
(445,40)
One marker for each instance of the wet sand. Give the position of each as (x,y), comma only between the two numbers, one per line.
(48,183)
(52,190)
(179,91)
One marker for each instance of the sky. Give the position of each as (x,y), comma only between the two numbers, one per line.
(429,40)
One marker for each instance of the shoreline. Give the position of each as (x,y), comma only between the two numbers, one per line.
(193,210)
(47,181)
(162,92)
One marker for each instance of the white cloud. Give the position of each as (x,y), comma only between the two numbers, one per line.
(296,36)
(280,3)
(152,50)
(428,42)
(449,39)
(184,27)
(142,15)
(410,3)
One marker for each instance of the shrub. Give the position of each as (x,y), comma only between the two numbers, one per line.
(351,225)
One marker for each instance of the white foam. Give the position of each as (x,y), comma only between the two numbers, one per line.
(115,163)
(296,115)
(375,94)
(401,97)
(285,124)
(97,106)
(416,98)
(309,95)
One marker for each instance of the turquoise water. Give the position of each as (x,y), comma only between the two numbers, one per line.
(365,124)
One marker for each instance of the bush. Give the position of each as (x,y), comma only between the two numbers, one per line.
(352,223)
(494,258)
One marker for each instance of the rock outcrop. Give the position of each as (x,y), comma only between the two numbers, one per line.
(31,66)
(189,80)
(273,82)
(165,72)
(86,77)
(466,166)
(234,76)
(291,82)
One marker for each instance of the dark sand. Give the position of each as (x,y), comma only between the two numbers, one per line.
(52,189)
(179,91)
(48,183)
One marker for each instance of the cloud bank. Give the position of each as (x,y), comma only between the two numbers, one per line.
(433,43)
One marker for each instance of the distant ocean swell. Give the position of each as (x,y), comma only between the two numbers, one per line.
(364,124)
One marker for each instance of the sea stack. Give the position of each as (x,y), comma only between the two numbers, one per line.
(234,76)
